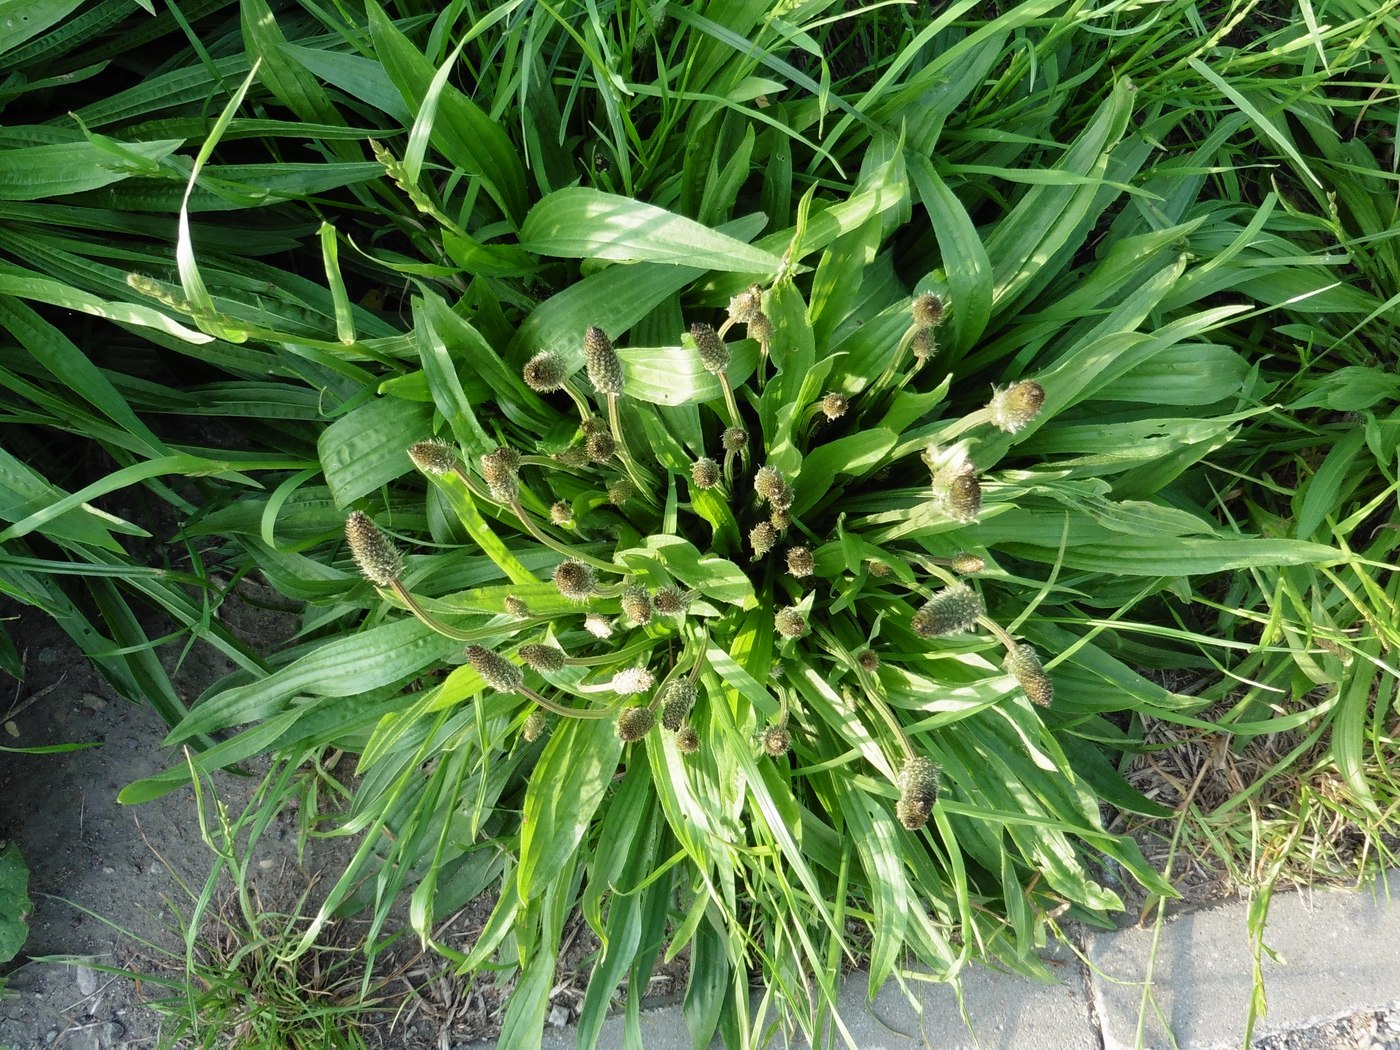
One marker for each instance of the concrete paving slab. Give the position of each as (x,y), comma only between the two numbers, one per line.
(1006,1012)
(1338,953)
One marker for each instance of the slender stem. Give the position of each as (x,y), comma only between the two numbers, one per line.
(568,712)
(729,399)
(584,410)
(996,629)
(554,545)
(643,483)
(470,482)
(412,604)
(876,391)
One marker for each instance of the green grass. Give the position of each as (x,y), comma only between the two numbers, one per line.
(1175,218)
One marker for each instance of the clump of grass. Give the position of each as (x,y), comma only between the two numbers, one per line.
(769,458)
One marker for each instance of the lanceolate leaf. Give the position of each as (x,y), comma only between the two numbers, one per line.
(582,223)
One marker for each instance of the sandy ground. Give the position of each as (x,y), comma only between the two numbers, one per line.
(103,877)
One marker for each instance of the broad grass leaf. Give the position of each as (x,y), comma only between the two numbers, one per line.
(36,172)
(347,666)
(567,786)
(444,384)
(53,351)
(584,223)
(965,262)
(23,492)
(23,20)
(881,844)
(359,77)
(1349,727)
(713,577)
(1188,374)
(282,75)
(1045,219)
(474,143)
(15,905)
(1330,486)
(674,375)
(476,357)
(615,300)
(55,293)
(1096,548)
(368,446)
(852,455)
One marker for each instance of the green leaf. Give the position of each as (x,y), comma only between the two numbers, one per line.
(24,19)
(583,223)
(72,167)
(674,375)
(713,577)
(470,139)
(348,666)
(14,902)
(566,787)
(368,447)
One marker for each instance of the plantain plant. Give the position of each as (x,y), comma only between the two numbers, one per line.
(753,482)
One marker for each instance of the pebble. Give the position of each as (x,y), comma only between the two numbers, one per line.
(558,1016)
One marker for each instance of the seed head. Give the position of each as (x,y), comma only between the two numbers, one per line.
(687,740)
(632,680)
(768,482)
(790,623)
(800,562)
(776,741)
(575,580)
(545,372)
(734,439)
(600,446)
(376,556)
(676,701)
(495,670)
(761,331)
(949,611)
(965,564)
(535,723)
(918,791)
(515,606)
(670,600)
(869,660)
(543,658)
(433,457)
(704,472)
(834,405)
(561,513)
(620,491)
(927,310)
(964,499)
(601,361)
(714,355)
(780,520)
(924,344)
(1023,664)
(633,723)
(574,456)
(1011,409)
(762,538)
(877,568)
(500,468)
(598,626)
(636,603)
(746,305)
